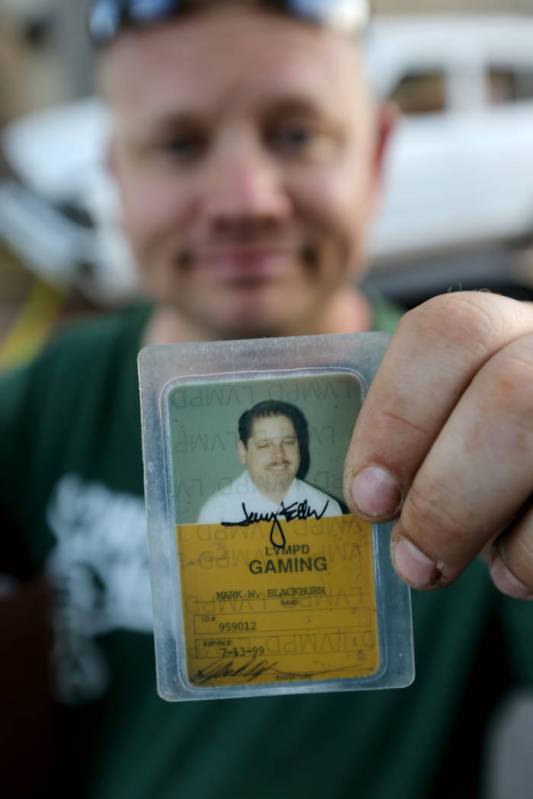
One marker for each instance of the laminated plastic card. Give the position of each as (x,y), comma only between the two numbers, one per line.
(263,582)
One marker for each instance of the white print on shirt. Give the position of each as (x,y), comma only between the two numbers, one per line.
(100,580)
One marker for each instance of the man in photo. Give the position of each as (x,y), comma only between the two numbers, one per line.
(273,447)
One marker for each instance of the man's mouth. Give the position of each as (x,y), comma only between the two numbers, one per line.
(244,264)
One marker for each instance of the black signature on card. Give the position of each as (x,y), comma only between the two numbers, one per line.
(248,672)
(296,510)
(253,669)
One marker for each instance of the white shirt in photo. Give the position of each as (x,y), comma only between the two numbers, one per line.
(226,505)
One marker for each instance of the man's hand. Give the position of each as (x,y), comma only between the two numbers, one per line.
(444,442)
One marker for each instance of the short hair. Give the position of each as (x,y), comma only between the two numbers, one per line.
(267,408)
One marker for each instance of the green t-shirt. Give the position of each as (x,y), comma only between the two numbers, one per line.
(70,460)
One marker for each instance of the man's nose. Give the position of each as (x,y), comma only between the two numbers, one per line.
(279,450)
(245,192)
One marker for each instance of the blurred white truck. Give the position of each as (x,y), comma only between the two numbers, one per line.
(460,170)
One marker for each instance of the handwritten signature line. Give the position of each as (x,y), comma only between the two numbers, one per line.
(296,511)
(221,670)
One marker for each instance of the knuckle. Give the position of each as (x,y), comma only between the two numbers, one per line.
(509,383)
(399,418)
(465,319)
(431,520)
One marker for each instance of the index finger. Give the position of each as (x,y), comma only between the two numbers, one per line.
(437,350)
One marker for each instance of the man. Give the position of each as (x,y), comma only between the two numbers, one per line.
(248,154)
(273,447)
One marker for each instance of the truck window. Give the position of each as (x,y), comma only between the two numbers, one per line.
(421,93)
(510,85)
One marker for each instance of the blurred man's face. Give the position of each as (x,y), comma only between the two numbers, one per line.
(244,148)
(271,455)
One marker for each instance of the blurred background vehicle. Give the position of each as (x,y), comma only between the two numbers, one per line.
(29,306)
(460,172)
(59,187)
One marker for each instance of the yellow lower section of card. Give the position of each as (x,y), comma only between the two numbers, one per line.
(256,613)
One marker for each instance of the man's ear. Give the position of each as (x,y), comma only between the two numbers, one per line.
(241,451)
(388,116)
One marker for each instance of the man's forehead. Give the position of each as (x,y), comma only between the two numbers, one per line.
(264,425)
(195,60)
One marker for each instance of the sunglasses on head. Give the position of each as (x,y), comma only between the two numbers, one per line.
(108,17)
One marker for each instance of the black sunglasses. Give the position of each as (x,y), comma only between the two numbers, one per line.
(108,17)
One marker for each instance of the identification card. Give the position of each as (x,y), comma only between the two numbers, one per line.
(263,581)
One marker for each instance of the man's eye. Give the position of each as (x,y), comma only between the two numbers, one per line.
(183,147)
(295,138)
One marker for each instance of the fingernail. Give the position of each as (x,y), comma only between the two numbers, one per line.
(376,492)
(412,565)
(506,582)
